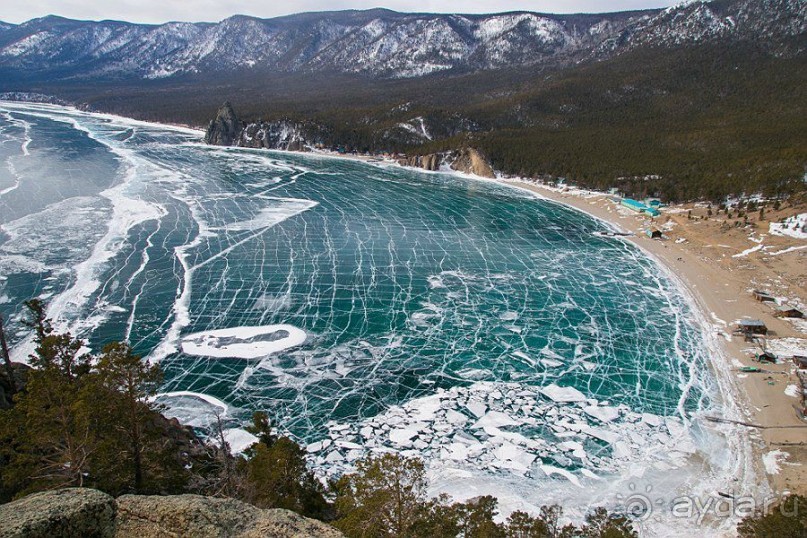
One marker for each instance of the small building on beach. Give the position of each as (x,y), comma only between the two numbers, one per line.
(751,327)
(633,204)
(788,312)
(653,233)
(763,296)
(639,207)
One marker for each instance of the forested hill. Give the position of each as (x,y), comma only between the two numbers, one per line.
(698,100)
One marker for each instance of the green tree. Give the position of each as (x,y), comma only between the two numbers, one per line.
(128,422)
(600,524)
(438,519)
(386,496)
(277,475)
(476,518)
(78,425)
(55,350)
(49,433)
(787,520)
(545,525)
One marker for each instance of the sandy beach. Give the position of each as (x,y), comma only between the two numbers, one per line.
(712,261)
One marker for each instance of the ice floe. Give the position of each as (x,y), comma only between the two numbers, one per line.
(563,394)
(514,430)
(243,342)
(238,439)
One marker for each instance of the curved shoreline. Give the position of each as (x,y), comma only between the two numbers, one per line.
(720,297)
(700,286)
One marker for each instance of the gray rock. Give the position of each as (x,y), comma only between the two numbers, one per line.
(20,372)
(225,128)
(196,516)
(63,513)
(88,513)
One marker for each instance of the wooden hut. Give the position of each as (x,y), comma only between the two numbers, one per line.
(788,312)
(763,296)
(751,327)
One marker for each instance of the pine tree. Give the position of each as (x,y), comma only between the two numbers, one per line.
(277,475)
(54,350)
(51,435)
(385,497)
(129,384)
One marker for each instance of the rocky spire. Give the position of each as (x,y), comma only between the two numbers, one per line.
(225,128)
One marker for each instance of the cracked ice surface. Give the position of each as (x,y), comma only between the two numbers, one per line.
(364,307)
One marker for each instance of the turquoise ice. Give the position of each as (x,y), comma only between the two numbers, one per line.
(405,283)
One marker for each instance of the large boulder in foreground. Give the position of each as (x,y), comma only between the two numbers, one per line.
(208,517)
(89,513)
(63,513)
(225,129)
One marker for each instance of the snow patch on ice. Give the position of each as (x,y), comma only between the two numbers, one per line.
(243,342)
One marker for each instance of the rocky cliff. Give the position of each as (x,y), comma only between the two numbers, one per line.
(193,515)
(279,134)
(432,161)
(88,513)
(471,161)
(225,128)
(466,160)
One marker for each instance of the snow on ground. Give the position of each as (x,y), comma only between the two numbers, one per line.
(793,391)
(787,347)
(748,251)
(772,459)
(795,227)
(787,250)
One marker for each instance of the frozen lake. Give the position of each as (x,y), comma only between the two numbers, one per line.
(363,306)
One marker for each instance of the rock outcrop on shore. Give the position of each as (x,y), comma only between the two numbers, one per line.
(225,128)
(431,162)
(466,160)
(279,134)
(471,161)
(88,513)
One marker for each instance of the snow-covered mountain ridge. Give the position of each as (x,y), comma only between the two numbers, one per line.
(380,43)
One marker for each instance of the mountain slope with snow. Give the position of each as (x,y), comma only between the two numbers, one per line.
(378,43)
